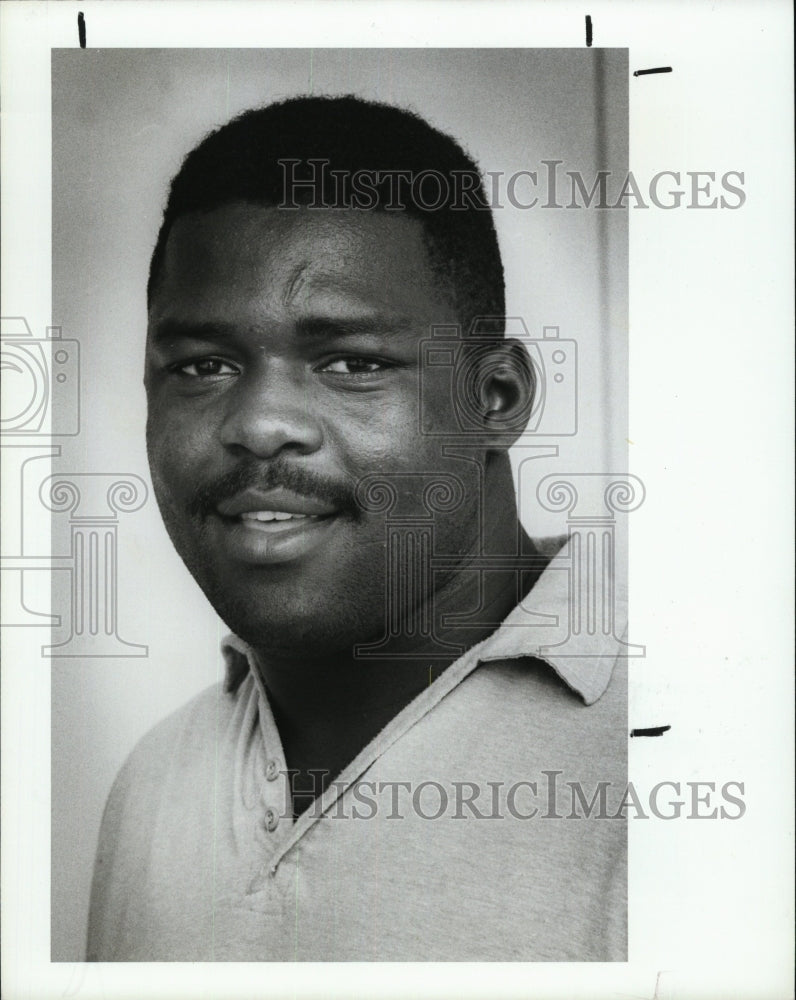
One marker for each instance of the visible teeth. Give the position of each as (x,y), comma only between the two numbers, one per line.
(271,515)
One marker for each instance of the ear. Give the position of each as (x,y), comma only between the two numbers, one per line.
(505,387)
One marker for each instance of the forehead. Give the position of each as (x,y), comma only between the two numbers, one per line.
(247,262)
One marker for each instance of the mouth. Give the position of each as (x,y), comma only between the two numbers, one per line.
(274,521)
(274,527)
(273,505)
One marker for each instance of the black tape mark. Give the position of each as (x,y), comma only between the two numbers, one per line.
(657,69)
(588,31)
(81,29)
(654,731)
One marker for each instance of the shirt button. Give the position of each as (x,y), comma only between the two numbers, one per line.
(271,820)
(271,770)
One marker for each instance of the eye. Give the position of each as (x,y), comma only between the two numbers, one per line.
(204,368)
(354,366)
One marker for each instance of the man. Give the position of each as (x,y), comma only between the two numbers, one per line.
(331,402)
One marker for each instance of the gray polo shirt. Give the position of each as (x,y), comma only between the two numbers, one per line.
(483,823)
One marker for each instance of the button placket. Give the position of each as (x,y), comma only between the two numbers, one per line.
(274,780)
(273,810)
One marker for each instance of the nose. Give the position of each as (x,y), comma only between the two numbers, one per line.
(270,412)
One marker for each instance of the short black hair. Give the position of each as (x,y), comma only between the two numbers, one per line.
(348,152)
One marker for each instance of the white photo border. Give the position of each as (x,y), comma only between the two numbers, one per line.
(711,315)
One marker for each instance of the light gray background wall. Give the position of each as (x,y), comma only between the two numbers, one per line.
(122,120)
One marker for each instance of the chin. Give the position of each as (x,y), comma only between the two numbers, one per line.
(286,626)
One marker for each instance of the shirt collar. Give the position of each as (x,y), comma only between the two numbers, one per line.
(538,627)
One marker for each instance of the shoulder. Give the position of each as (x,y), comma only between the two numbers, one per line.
(180,744)
(186,723)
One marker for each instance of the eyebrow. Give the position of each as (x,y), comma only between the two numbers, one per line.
(311,327)
(337,326)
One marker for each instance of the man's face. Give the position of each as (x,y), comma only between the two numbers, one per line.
(282,368)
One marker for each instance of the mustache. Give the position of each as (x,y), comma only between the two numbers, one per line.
(279,473)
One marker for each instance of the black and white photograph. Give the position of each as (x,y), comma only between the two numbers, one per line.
(356,533)
(314,307)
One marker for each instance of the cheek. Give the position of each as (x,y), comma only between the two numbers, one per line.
(381,436)
(438,396)
(392,450)
(177,448)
